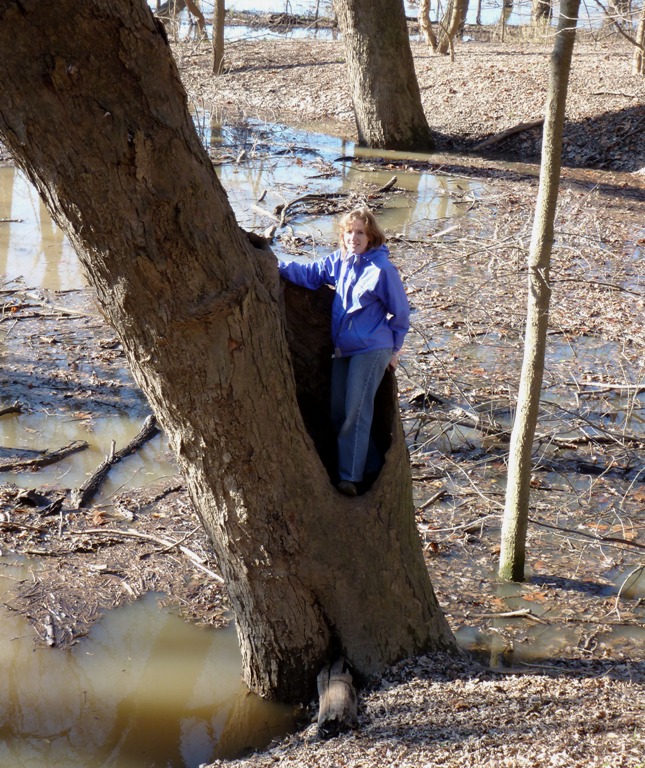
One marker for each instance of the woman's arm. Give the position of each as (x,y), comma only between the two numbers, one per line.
(312,274)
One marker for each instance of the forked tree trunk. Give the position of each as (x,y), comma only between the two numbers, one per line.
(452,25)
(218,36)
(383,83)
(92,108)
(514,526)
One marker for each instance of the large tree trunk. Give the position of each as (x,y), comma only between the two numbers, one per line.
(385,92)
(92,108)
(512,556)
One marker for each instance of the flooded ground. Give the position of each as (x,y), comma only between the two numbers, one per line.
(460,235)
(146,688)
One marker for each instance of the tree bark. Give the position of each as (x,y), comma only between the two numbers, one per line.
(638,61)
(514,526)
(385,92)
(92,108)
(218,36)
(426,25)
(541,12)
(452,25)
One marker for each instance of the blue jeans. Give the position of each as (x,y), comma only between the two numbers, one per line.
(354,382)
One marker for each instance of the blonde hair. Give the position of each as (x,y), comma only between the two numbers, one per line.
(375,234)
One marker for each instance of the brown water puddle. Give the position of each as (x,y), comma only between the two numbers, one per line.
(144,688)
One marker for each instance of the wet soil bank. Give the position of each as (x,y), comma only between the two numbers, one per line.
(490,87)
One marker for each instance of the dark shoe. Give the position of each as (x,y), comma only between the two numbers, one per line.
(347,488)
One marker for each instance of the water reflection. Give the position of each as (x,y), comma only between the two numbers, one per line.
(38,431)
(145,688)
(31,245)
(551,634)
(281,163)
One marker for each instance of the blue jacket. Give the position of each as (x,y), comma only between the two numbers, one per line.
(370,310)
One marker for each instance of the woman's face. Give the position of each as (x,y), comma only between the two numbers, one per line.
(355,238)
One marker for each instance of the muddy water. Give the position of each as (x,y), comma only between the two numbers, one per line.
(34,253)
(144,689)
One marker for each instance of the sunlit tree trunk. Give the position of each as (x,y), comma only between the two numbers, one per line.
(171,9)
(514,527)
(195,10)
(541,12)
(93,110)
(452,25)
(425,24)
(638,61)
(219,11)
(383,83)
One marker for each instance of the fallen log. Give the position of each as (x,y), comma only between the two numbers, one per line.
(81,497)
(15,408)
(387,187)
(45,458)
(338,710)
(519,128)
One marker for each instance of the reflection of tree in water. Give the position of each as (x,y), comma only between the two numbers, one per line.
(51,249)
(145,689)
(44,704)
(147,726)
(251,724)
(7,179)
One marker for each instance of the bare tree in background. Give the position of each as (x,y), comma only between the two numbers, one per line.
(541,12)
(383,83)
(638,61)
(451,26)
(514,526)
(219,13)
(425,24)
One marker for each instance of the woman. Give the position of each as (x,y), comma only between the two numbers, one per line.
(370,318)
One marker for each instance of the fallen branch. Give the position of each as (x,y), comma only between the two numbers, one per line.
(599,539)
(9,525)
(520,613)
(282,209)
(45,459)
(165,543)
(603,386)
(80,497)
(15,408)
(429,502)
(470,419)
(387,187)
(498,137)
